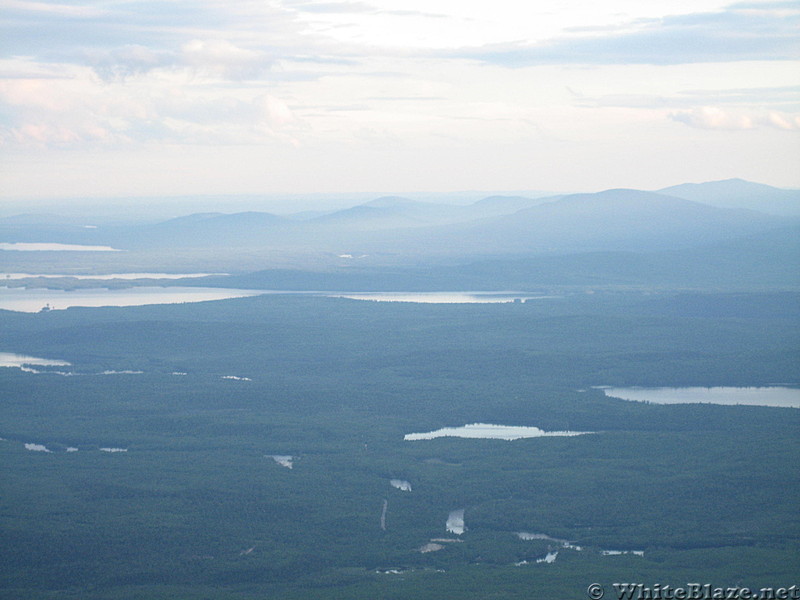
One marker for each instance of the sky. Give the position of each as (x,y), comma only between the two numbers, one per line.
(121,98)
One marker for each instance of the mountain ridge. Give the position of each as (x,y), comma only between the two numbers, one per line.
(393,230)
(740,193)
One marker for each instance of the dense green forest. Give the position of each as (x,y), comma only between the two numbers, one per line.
(201,396)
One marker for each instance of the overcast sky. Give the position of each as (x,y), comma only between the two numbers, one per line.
(167,97)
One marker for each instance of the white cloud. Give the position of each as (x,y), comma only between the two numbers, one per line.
(453,24)
(224,59)
(712,117)
(721,36)
(167,105)
(786,122)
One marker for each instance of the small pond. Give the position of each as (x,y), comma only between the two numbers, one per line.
(283,460)
(400,484)
(21,361)
(455,522)
(488,431)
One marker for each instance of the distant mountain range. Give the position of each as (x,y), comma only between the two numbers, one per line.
(394,231)
(610,220)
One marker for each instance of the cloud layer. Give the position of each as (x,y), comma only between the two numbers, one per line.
(735,34)
(417,77)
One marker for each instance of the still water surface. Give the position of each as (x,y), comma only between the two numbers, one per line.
(108,276)
(21,361)
(400,484)
(48,247)
(440,297)
(455,522)
(34,299)
(755,396)
(487,431)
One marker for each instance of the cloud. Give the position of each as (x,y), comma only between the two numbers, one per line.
(248,122)
(731,35)
(784,98)
(773,96)
(45,31)
(777,5)
(786,122)
(131,77)
(126,61)
(712,117)
(83,108)
(233,40)
(224,59)
(332,7)
(52,9)
(356,8)
(50,32)
(217,58)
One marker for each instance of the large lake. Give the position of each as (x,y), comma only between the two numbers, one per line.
(49,247)
(439,297)
(754,396)
(125,276)
(26,299)
(34,299)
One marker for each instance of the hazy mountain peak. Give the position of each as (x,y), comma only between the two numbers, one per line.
(734,186)
(739,193)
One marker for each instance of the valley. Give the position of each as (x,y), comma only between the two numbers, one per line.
(399,428)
